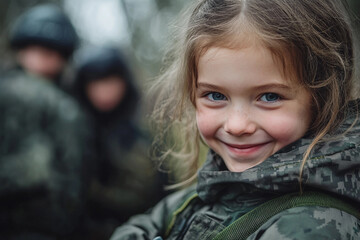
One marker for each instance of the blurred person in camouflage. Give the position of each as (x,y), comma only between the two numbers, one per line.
(124,181)
(43,134)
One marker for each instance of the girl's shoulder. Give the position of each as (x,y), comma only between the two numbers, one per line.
(310,222)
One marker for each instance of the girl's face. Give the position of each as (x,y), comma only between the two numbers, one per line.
(246,110)
(106,93)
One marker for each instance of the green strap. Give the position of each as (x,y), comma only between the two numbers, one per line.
(244,226)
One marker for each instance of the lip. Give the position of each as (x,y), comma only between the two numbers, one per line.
(245,149)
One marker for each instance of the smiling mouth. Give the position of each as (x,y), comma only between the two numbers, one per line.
(246,148)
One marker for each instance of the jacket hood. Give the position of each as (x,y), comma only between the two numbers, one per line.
(334,166)
(94,63)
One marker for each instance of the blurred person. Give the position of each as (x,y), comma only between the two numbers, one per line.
(43,133)
(43,39)
(42,145)
(125,181)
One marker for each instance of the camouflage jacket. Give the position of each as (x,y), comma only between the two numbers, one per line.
(224,196)
(42,143)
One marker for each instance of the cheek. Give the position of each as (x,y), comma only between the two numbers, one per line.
(287,128)
(203,126)
(206,123)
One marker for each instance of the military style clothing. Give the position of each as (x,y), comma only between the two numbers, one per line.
(224,196)
(42,141)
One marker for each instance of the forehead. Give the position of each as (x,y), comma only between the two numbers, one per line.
(241,59)
(253,64)
(277,57)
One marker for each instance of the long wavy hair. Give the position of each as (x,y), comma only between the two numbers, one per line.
(311,39)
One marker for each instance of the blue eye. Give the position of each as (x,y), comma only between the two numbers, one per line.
(215,96)
(270,97)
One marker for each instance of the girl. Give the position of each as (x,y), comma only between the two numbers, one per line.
(268,85)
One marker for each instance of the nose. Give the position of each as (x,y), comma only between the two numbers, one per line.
(239,122)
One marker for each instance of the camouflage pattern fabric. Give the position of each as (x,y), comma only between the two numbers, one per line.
(42,143)
(224,196)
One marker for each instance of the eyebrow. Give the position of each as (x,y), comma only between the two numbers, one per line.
(272,86)
(210,86)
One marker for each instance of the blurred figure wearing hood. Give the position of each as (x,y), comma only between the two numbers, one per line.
(125,181)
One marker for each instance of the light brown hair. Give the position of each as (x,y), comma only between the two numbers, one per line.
(312,39)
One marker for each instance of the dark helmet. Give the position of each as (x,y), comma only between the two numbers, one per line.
(45,25)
